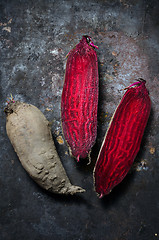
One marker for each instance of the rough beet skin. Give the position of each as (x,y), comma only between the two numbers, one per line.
(80,98)
(30,135)
(123,138)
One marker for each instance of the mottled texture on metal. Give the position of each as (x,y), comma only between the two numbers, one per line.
(35,37)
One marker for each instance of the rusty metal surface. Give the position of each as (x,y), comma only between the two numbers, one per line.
(35,37)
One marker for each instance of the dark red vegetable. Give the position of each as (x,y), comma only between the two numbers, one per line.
(80,98)
(123,138)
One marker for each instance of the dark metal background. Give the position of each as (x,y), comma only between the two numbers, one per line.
(35,37)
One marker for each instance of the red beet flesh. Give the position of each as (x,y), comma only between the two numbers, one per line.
(80,98)
(123,138)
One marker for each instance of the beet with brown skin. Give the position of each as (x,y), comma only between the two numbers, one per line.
(30,135)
